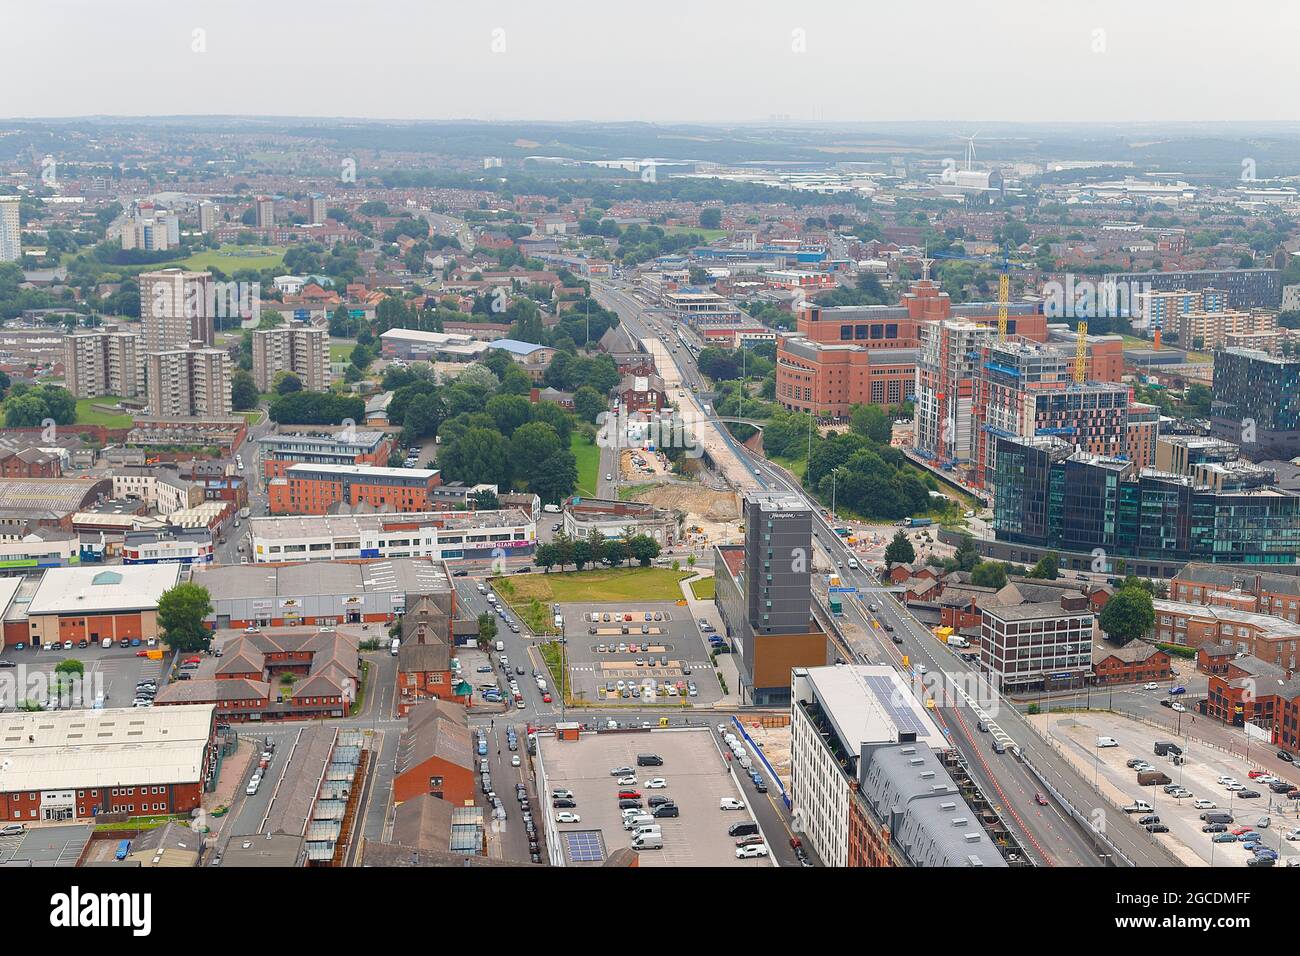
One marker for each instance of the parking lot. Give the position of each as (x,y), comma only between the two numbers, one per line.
(697,780)
(113,671)
(1076,737)
(622,656)
(59,845)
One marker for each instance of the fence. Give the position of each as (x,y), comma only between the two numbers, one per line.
(758,752)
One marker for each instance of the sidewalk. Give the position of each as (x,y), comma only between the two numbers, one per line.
(726,662)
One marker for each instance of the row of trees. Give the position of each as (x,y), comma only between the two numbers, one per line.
(596,549)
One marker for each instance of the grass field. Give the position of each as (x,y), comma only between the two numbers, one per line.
(343,352)
(602,586)
(88,415)
(551,654)
(588,458)
(230,258)
(708,234)
(796,466)
(703,589)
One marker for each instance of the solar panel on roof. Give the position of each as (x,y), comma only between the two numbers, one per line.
(584,846)
(903,716)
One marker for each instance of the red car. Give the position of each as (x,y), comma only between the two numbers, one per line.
(546,698)
(141,653)
(191,660)
(1257,773)
(1040,800)
(629,794)
(1238,831)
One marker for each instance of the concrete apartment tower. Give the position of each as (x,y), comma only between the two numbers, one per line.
(11,236)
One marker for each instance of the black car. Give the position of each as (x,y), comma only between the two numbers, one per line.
(564,804)
(1166,702)
(658,801)
(7,664)
(523,571)
(1215,828)
(666,810)
(183,675)
(1157,828)
(998,748)
(1285,755)
(536,857)
(896,639)
(83,643)
(459,573)
(1247,794)
(889,628)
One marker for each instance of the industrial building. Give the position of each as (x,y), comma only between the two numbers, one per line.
(438,535)
(96,602)
(79,764)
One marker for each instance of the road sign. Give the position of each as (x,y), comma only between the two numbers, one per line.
(843,590)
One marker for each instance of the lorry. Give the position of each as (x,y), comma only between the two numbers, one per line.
(1152,778)
(836,606)
(918,523)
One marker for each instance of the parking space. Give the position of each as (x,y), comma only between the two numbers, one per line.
(46,846)
(696,777)
(112,672)
(1271,815)
(647,654)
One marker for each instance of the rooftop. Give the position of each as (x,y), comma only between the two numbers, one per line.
(55,750)
(329,526)
(874,706)
(92,589)
(361,472)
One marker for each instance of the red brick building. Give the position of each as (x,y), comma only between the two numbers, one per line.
(314,489)
(1135,663)
(435,755)
(30,463)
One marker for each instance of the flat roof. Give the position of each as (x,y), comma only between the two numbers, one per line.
(133,587)
(404,575)
(363,471)
(871,707)
(72,749)
(327,526)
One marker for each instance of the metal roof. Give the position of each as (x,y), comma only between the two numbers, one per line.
(94,589)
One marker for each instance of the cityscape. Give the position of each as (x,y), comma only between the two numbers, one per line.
(829,485)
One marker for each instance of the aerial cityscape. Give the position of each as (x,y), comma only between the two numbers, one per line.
(674,479)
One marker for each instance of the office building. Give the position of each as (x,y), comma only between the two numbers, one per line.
(176,308)
(11,233)
(848,355)
(1244,288)
(316,489)
(764,595)
(867,776)
(1257,403)
(1044,645)
(316,209)
(1211,462)
(188,382)
(103,361)
(294,347)
(1047,495)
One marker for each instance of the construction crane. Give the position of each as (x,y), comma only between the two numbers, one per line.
(1005,265)
(1081,354)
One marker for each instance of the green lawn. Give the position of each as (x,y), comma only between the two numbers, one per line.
(588,457)
(229,258)
(551,654)
(604,586)
(703,589)
(796,466)
(88,415)
(708,234)
(343,352)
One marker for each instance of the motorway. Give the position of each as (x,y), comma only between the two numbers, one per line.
(1047,833)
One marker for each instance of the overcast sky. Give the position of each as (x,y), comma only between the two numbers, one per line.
(700,60)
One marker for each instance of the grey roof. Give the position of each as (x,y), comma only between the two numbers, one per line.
(423,822)
(1227,578)
(908,789)
(1042,610)
(1133,652)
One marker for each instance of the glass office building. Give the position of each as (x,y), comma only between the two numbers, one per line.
(1050,496)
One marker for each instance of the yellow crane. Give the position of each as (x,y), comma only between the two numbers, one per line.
(1004,296)
(1081,354)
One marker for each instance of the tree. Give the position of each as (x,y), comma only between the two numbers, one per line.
(1128,615)
(1047,567)
(967,555)
(589,403)
(711,218)
(899,550)
(181,611)
(530,448)
(989,574)
(487,629)
(485,500)
(556,478)
(871,421)
(644,548)
(243,392)
(287,382)
(509,412)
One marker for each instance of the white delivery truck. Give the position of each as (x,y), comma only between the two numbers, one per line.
(396,646)
(956,640)
(501,646)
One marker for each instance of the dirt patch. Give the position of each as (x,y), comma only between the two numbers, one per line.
(712,517)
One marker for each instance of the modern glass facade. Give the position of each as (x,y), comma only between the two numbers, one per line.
(1045,498)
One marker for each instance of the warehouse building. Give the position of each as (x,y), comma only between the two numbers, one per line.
(78,764)
(96,603)
(439,535)
(320,594)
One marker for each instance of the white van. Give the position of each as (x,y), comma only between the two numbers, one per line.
(645,830)
(648,842)
(637,820)
(396,646)
(1107,742)
(106,642)
(501,646)
(551,509)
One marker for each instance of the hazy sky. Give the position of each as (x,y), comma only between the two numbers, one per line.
(699,60)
